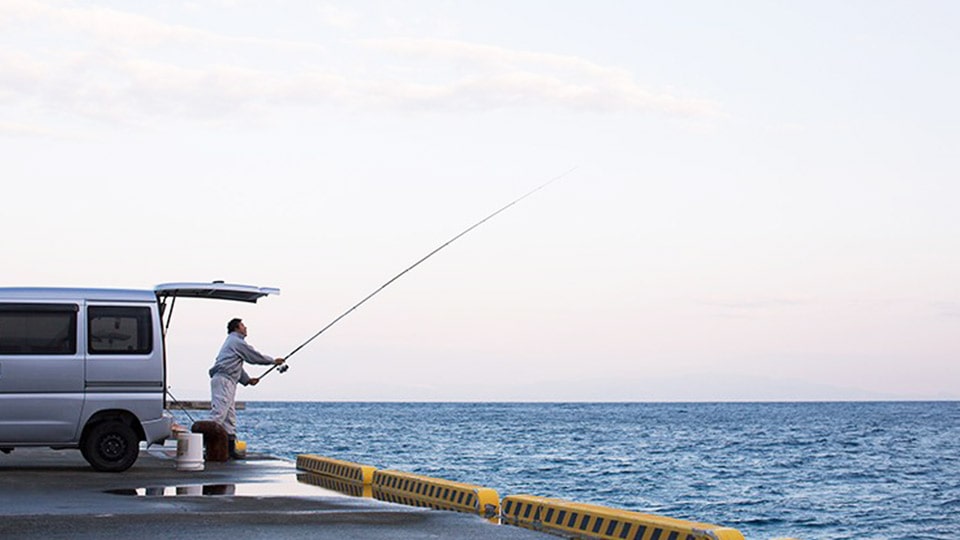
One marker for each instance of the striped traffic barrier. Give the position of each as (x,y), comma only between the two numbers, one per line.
(425,491)
(335,484)
(556,516)
(575,520)
(335,468)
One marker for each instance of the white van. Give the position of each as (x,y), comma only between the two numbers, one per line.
(86,368)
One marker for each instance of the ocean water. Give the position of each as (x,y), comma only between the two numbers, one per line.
(887,470)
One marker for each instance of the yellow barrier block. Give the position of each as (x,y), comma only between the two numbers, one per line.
(425,491)
(335,484)
(575,520)
(335,468)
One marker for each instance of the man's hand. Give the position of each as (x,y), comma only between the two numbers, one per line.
(279,361)
(253,381)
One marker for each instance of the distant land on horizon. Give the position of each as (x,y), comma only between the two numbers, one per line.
(705,388)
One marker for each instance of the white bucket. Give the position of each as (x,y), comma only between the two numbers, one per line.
(190,452)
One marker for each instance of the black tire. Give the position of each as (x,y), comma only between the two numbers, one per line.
(110,446)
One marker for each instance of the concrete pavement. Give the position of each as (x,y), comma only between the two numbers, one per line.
(54,494)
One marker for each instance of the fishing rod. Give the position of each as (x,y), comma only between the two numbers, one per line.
(284,367)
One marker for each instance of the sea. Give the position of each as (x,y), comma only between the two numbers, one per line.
(844,470)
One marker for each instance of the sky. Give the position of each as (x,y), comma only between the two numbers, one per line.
(762,204)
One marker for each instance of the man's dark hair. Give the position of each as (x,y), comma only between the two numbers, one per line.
(233,324)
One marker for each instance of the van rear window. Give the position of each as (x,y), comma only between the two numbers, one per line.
(38,329)
(120,330)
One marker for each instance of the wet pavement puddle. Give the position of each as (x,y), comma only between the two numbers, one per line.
(228,490)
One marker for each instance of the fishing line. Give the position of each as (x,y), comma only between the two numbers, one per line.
(412,266)
(178,404)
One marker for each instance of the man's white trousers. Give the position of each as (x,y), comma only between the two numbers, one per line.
(223,410)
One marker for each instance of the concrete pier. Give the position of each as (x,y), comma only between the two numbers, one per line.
(54,494)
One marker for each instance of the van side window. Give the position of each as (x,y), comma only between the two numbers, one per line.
(38,329)
(119,330)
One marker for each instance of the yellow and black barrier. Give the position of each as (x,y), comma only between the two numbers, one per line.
(335,484)
(425,491)
(575,520)
(345,471)
(556,516)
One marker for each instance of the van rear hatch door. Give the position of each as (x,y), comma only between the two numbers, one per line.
(217,290)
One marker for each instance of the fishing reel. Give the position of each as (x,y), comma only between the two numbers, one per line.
(283,368)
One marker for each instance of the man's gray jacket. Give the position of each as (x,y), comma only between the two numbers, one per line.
(233,354)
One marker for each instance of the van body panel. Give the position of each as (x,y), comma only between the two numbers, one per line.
(39,418)
(31,374)
(146,406)
(41,394)
(113,369)
(156,431)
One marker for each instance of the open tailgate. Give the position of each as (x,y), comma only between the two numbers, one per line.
(216,290)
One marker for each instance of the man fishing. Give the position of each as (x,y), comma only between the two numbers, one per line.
(226,372)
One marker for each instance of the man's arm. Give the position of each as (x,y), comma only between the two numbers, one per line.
(253,356)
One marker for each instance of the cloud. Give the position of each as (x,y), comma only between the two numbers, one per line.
(124,67)
(509,77)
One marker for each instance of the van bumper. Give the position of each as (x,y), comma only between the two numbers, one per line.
(158,430)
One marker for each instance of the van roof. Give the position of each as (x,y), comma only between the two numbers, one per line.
(76,293)
(214,290)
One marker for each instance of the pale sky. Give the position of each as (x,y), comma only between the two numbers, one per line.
(764,205)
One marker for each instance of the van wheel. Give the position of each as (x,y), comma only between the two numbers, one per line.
(110,446)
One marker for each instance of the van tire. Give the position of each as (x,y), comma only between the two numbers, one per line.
(110,446)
